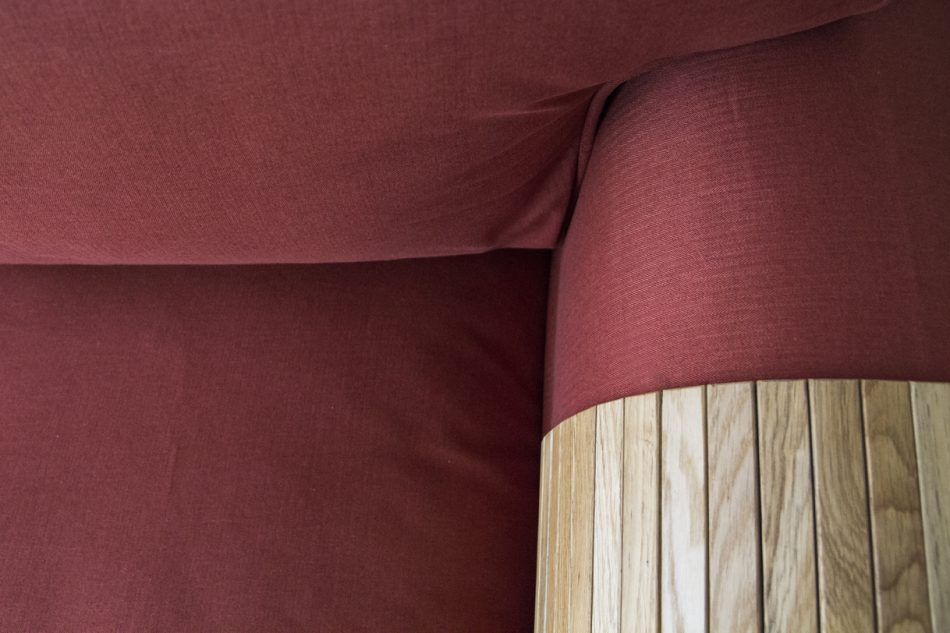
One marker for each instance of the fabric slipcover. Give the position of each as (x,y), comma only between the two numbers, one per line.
(342,432)
(779,210)
(346,447)
(266,131)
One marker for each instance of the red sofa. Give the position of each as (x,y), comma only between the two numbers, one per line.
(290,291)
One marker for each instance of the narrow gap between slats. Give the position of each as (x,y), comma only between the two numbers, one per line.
(623,466)
(555,526)
(538,590)
(756,469)
(760,509)
(867,495)
(547,543)
(570,585)
(593,540)
(706,477)
(570,530)
(659,512)
(593,534)
(814,501)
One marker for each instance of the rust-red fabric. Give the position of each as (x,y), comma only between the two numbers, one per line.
(271,448)
(264,131)
(780,210)
(354,447)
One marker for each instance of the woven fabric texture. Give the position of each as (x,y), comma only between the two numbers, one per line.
(294,131)
(343,447)
(780,210)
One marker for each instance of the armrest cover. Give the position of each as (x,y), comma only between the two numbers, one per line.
(778,210)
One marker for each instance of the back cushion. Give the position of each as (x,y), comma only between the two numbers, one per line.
(205,131)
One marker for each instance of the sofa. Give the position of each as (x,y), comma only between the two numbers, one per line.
(371,316)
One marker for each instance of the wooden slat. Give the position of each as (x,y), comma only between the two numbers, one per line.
(680,511)
(683,512)
(608,502)
(640,573)
(734,605)
(551,572)
(789,599)
(582,521)
(931,410)
(844,569)
(565,503)
(900,578)
(543,530)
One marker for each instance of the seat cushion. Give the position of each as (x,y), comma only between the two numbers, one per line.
(262,131)
(780,210)
(271,448)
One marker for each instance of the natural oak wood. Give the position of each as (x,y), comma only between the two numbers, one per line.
(772,506)
(544,520)
(640,544)
(582,521)
(552,573)
(897,532)
(734,605)
(841,516)
(683,524)
(931,412)
(562,558)
(789,595)
(608,503)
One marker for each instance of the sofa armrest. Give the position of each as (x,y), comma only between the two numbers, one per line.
(780,210)
(772,222)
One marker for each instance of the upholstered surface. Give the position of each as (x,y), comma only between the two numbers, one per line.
(325,448)
(780,210)
(263,131)
(342,432)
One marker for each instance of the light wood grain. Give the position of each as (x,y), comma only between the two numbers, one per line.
(844,567)
(931,411)
(544,520)
(734,605)
(897,533)
(683,501)
(787,522)
(641,459)
(552,571)
(565,489)
(608,504)
(792,506)
(582,521)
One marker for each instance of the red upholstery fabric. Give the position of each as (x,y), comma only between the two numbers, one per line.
(354,447)
(779,210)
(264,131)
(325,448)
